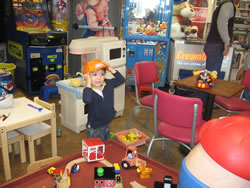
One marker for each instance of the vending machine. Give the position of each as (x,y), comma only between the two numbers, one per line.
(146,29)
(32,45)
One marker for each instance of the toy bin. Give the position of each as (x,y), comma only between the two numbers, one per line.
(141,141)
(9,67)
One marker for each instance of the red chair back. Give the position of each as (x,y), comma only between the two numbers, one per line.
(178,110)
(246,79)
(145,72)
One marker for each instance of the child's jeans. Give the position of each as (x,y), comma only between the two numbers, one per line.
(102,132)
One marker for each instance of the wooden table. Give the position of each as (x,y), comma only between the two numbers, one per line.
(221,88)
(85,176)
(20,116)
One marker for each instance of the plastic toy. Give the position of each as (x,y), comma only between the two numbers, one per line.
(94,65)
(93,149)
(106,177)
(76,82)
(205,78)
(221,159)
(32,106)
(131,158)
(4,117)
(56,173)
(145,172)
(52,79)
(6,89)
(131,137)
(59,132)
(75,168)
(167,183)
(117,168)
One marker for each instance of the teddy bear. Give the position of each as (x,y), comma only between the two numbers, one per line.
(181,20)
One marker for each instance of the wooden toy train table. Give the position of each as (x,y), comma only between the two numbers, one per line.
(85,176)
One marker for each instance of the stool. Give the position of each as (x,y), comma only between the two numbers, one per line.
(144,88)
(18,141)
(47,90)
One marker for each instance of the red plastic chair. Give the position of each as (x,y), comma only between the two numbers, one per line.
(180,119)
(145,73)
(244,113)
(235,104)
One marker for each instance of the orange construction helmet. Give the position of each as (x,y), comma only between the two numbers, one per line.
(94,65)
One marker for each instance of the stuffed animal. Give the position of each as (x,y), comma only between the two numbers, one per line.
(181,20)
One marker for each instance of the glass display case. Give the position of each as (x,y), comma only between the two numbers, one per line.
(146,29)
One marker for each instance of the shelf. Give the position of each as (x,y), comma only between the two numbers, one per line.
(244,9)
(242,17)
(243,26)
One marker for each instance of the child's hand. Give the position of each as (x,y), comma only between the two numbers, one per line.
(110,69)
(88,80)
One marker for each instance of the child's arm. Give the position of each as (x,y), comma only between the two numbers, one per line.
(110,69)
(118,80)
(87,91)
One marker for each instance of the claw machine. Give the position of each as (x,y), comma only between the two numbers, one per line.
(146,29)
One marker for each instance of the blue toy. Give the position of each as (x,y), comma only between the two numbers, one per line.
(75,168)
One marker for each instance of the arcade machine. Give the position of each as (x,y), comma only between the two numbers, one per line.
(146,30)
(32,45)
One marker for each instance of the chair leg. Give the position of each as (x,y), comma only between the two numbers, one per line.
(16,148)
(31,150)
(169,148)
(131,114)
(147,116)
(150,146)
(22,150)
(163,145)
(10,148)
(38,141)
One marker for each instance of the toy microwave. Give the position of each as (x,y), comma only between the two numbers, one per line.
(109,49)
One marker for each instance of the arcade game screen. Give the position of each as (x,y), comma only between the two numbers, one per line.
(31,16)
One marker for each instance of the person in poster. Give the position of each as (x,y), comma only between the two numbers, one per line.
(94,13)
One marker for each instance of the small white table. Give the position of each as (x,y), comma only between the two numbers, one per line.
(22,115)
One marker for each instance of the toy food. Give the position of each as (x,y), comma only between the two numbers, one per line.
(132,136)
(76,82)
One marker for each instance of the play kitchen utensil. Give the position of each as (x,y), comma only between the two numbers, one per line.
(32,106)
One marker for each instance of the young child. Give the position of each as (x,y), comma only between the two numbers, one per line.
(99,95)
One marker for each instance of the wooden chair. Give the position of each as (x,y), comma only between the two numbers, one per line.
(42,163)
(38,130)
(18,141)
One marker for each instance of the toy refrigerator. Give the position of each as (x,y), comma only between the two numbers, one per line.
(146,29)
